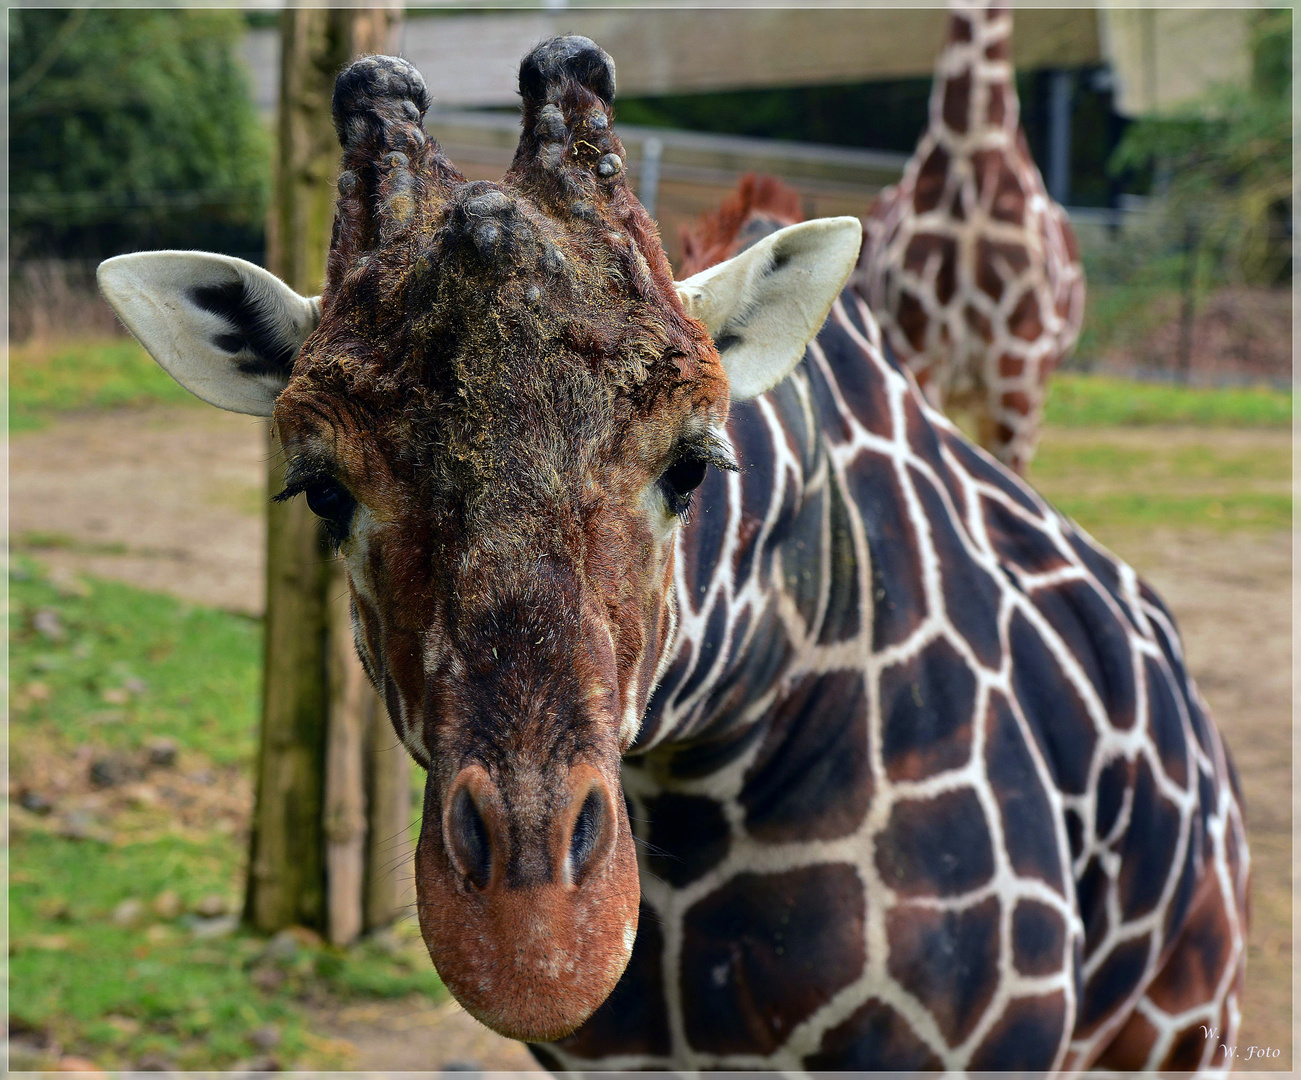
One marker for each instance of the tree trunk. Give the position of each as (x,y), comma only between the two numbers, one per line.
(309,846)
(1187,303)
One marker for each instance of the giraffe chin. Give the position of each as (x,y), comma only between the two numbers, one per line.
(531,963)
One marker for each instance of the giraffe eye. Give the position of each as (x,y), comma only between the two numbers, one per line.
(679,480)
(333,504)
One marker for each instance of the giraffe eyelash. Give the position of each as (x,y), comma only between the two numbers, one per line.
(687,471)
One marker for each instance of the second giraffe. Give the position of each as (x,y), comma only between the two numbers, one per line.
(972,270)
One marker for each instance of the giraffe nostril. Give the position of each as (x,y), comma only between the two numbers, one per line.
(584,840)
(470,841)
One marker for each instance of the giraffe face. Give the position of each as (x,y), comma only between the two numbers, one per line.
(504,475)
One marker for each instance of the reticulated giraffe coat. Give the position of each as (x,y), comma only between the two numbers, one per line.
(972,270)
(924,783)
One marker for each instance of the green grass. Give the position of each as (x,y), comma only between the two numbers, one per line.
(113,993)
(1104,401)
(75,976)
(1102,515)
(47,380)
(189,673)
(1137,479)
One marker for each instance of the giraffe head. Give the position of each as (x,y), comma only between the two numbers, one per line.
(499,407)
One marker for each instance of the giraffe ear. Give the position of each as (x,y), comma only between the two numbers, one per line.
(763,306)
(226,330)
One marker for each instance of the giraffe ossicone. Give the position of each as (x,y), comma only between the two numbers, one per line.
(915,773)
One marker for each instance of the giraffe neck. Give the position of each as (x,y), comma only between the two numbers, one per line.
(769,576)
(974,93)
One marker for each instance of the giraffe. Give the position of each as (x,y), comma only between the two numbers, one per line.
(972,270)
(767,723)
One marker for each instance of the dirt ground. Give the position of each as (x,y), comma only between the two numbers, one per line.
(171,498)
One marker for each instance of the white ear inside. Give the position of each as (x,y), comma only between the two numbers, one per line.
(763,306)
(226,330)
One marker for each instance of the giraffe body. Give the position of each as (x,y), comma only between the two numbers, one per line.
(972,270)
(917,771)
(925,784)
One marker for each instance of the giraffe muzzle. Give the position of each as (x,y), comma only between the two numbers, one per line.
(476,832)
(528,896)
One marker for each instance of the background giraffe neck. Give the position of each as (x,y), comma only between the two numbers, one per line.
(974,92)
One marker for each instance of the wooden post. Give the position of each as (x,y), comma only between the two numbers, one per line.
(345,771)
(309,849)
(390,852)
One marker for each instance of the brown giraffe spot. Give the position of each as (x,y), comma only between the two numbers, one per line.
(1185,889)
(999,48)
(1016,401)
(874,1038)
(927,250)
(793,423)
(1053,709)
(752,663)
(1024,322)
(1115,779)
(1018,543)
(1011,366)
(927,706)
(912,319)
(919,431)
(709,653)
(1074,832)
(1185,1054)
(978,323)
(1008,200)
(811,778)
(634,1018)
(928,187)
(936,847)
(1191,972)
(709,522)
(1165,723)
(861,387)
(1099,640)
(981,470)
(706,756)
(898,596)
(1129,1049)
(1028,1038)
(1112,983)
(1025,812)
(957,99)
(835,427)
(1101,564)
(971,595)
(997,108)
(755,453)
(958,207)
(1004,433)
(948,960)
(689,836)
(843,618)
(1091,888)
(765,951)
(1038,938)
(996,262)
(801,562)
(959,28)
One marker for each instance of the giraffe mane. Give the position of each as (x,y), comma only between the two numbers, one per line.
(714,235)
